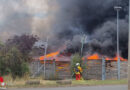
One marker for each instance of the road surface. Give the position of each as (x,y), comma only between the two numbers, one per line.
(117,87)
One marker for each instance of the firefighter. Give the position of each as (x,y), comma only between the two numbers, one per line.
(78,71)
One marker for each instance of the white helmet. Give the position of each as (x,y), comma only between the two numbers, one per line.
(77,64)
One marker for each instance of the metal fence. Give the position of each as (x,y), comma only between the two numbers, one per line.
(54,69)
(92,69)
(103,69)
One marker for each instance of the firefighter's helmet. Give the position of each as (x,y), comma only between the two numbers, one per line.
(77,64)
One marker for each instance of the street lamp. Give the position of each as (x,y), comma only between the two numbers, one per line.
(129,52)
(118,8)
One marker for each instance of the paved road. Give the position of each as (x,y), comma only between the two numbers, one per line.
(117,87)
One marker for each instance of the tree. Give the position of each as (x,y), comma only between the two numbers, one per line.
(75,59)
(24,43)
(15,62)
(15,55)
(12,62)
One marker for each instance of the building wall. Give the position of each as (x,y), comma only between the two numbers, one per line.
(63,70)
(111,70)
(93,69)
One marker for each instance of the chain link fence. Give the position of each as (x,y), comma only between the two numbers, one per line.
(92,69)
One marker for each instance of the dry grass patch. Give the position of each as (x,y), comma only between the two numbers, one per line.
(21,82)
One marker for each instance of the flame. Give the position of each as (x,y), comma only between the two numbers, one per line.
(116,58)
(94,57)
(97,57)
(50,55)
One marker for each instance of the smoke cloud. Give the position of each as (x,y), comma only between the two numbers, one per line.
(64,21)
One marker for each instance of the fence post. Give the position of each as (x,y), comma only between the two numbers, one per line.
(54,67)
(103,69)
(71,69)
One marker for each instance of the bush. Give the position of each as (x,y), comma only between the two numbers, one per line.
(75,59)
(15,55)
(12,61)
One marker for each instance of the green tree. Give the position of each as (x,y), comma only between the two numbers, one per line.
(75,59)
(17,63)
(15,55)
(12,62)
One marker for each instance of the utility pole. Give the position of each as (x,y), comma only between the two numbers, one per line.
(118,8)
(45,52)
(129,52)
(83,39)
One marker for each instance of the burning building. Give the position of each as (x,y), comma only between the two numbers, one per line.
(60,64)
(65,21)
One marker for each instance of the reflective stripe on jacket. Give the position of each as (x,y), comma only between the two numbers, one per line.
(79,70)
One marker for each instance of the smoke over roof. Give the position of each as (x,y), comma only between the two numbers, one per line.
(64,21)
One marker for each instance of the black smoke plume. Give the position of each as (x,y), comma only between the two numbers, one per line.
(96,19)
(65,21)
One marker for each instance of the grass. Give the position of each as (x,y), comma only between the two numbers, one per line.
(100,82)
(20,82)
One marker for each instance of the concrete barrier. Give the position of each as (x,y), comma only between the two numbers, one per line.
(64,82)
(32,82)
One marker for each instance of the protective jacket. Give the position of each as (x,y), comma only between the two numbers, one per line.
(78,70)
